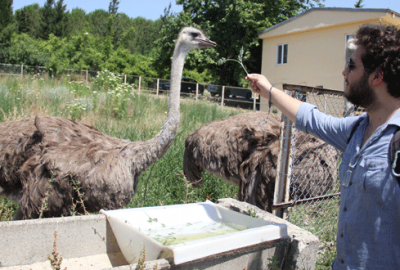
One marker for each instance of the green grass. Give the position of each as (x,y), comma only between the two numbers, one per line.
(319,218)
(7,209)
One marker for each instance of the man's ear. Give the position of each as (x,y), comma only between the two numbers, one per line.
(377,77)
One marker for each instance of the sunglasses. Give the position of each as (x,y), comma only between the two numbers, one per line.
(351,65)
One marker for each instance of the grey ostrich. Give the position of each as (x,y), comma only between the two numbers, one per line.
(243,150)
(49,158)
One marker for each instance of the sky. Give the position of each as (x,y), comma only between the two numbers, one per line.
(148,9)
(153,9)
(391,4)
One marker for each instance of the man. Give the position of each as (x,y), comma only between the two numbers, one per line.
(368,234)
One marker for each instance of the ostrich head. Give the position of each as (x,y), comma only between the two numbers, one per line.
(193,38)
(189,38)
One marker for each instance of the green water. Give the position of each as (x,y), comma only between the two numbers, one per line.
(176,235)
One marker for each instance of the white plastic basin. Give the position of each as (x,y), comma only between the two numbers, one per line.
(186,232)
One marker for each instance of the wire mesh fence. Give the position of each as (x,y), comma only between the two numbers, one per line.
(24,70)
(11,70)
(231,96)
(311,189)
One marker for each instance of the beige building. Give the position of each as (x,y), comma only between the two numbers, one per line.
(309,49)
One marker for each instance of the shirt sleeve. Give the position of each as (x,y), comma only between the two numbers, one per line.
(333,130)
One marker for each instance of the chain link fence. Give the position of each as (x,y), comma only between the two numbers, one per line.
(22,70)
(308,191)
(220,94)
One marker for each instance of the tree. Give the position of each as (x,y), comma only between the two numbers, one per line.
(7,27)
(54,19)
(98,21)
(76,22)
(113,7)
(56,48)
(146,32)
(26,50)
(6,13)
(28,20)
(126,38)
(60,19)
(86,51)
(108,42)
(48,19)
(167,13)
(122,24)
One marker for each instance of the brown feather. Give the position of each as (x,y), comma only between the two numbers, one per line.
(243,150)
(61,151)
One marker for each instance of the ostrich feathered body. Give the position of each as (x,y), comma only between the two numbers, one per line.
(58,156)
(243,150)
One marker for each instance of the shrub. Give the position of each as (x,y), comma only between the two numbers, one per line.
(77,108)
(118,98)
(106,80)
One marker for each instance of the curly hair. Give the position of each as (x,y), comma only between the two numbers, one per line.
(382,50)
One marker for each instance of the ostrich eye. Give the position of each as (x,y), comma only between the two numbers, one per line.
(195,35)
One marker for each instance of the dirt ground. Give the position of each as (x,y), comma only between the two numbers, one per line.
(95,262)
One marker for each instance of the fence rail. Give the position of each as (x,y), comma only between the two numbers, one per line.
(228,96)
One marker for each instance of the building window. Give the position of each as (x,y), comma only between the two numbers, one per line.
(348,37)
(282,54)
(349,47)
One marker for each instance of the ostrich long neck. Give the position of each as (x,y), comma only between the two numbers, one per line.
(163,140)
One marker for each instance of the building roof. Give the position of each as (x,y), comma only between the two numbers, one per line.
(266,32)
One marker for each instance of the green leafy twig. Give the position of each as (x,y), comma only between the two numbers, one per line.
(223,60)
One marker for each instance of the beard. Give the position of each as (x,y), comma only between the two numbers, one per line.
(360,93)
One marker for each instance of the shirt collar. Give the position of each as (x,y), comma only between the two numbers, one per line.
(395,120)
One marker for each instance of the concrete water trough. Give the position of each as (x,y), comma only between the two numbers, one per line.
(189,236)
(188,232)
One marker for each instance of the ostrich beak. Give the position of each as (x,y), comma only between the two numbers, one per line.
(204,42)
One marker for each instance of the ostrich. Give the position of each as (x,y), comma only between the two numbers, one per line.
(58,162)
(243,150)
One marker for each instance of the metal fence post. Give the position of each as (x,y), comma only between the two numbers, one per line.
(282,181)
(140,82)
(222,96)
(22,71)
(158,85)
(197,90)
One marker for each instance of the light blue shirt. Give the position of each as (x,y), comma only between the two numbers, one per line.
(368,234)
